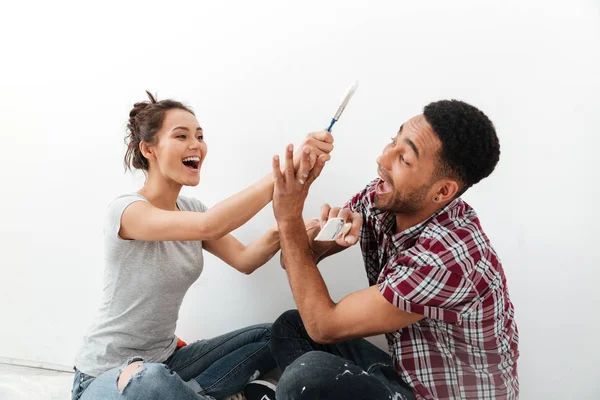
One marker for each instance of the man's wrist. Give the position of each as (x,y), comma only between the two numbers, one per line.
(291,222)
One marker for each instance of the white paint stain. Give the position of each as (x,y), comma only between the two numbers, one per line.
(343,373)
(303,390)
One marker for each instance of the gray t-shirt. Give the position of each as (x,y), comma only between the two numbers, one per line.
(144,285)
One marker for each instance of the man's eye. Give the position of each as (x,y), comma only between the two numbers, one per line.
(394,141)
(181,136)
(201,137)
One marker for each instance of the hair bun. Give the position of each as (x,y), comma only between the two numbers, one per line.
(138,108)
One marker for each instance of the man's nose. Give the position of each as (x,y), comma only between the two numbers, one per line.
(384,160)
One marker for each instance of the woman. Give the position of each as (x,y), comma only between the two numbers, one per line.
(154,240)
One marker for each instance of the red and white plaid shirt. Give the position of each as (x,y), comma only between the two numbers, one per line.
(444,268)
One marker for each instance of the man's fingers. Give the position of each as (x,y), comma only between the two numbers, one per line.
(289,163)
(352,236)
(345,214)
(304,169)
(325,208)
(277,176)
(333,212)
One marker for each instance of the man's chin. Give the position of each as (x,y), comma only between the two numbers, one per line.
(379,203)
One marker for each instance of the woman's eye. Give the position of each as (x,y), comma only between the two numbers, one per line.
(181,136)
(201,137)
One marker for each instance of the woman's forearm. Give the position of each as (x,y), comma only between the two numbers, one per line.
(259,252)
(233,212)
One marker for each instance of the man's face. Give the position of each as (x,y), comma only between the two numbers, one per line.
(408,168)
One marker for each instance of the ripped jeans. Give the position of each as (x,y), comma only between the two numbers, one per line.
(355,369)
(206,369)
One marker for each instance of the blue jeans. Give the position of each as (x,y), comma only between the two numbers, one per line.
(206,369)
(355,369)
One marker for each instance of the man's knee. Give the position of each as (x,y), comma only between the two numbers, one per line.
(284,328)
(290,318)
(307,374)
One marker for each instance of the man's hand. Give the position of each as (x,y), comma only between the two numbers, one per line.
(292,185)
(322,249)
(350,238)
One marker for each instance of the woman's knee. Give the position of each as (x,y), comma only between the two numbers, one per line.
(149,376)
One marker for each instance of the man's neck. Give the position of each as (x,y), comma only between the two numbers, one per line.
(406,221)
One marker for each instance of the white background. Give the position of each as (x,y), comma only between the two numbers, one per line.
(262,74)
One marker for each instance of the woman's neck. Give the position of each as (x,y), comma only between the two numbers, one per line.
(161,192)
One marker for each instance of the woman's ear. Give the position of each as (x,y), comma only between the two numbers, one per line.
(147,150)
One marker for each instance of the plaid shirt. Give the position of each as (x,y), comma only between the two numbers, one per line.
(444,268)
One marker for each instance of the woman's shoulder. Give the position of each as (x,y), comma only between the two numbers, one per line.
(191,204)
(127,196)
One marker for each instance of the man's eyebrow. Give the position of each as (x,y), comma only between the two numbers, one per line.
(409,142)
(412,146)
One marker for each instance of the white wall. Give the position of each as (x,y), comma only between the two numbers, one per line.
(262,74)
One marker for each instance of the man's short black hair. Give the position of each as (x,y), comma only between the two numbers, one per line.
(470,147)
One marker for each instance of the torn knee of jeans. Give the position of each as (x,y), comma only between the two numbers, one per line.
(133,370)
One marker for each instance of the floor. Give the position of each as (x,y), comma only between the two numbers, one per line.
(23,383)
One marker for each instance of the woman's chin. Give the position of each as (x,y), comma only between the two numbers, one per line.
(190,181)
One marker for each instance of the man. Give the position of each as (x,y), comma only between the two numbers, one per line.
(437,288)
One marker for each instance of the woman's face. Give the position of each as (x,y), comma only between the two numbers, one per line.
(179,149)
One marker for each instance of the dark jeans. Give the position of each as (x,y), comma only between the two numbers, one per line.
(204,370)
(355,369)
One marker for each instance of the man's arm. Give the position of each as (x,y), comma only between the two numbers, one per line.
(360,314)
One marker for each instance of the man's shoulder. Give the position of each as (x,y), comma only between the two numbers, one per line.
(454,237)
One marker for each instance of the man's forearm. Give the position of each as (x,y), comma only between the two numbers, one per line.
(308,287)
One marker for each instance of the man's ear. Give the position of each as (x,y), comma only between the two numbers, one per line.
(448,188)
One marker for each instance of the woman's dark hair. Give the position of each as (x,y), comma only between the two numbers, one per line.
(145,119)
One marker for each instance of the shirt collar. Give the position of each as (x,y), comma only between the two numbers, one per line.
(388,224)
